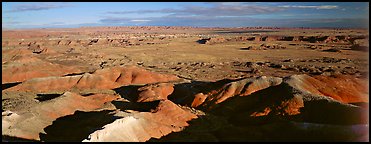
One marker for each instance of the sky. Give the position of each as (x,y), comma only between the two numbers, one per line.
(19,15)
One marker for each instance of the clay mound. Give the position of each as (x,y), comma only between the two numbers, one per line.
(134,75)
(21,64)
(286,102)
(35,48)
(14,54)
(46,84)
(345,89)
(142,126)
(146,94)
(28,124)
(288,97)
(360,45)
(22,59)
(155,92)
(257,100)
(25,68)
(109,78)
(241,88)
(41,50)
(283,109)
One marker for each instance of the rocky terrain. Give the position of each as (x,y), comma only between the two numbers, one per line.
(185,84)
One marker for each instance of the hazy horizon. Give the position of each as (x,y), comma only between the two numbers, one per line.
(185,26)
(30,15)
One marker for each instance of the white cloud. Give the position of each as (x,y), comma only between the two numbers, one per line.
(38,7)
(218,9)
(314,7)
(139,20)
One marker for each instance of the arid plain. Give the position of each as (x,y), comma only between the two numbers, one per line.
(185,84)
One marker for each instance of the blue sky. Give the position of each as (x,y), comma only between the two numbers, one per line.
(203,14)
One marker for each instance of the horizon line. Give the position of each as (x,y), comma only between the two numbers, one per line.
(255,27)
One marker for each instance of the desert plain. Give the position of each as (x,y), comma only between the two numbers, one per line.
(189,84)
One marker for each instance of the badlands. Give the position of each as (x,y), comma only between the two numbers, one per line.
(185,84)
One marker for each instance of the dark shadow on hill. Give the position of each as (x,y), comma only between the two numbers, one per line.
(45,97)
(361,104)
(322,111)
(245,48)
(211,128)
(6,138)
(73,74)
(76,127)
(136,106)
(332,50)
(9,85)
(128,92)
(131,93)
(203,41)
